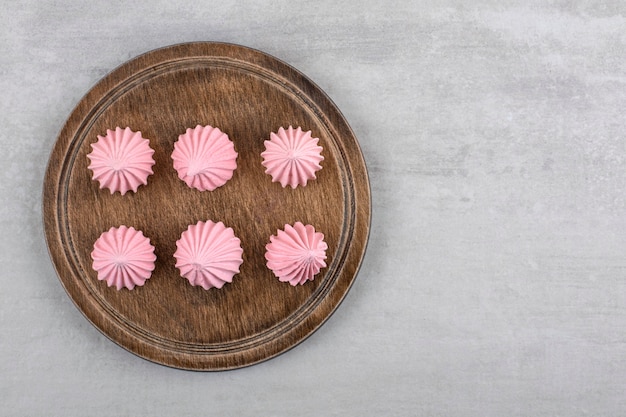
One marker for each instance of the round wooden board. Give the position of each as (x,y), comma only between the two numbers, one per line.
(247,94)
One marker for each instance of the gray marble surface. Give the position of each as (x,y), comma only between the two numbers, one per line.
(495,279)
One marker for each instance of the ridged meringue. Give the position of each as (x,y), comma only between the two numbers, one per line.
(122,160)
(204,158)
(292,157)
(208,254)
(123,257)
(296,254)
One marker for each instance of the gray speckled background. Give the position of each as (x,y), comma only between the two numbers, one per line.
(495,280)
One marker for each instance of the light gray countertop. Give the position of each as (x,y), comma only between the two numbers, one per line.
(495,279)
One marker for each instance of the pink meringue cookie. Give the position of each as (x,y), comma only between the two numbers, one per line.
(123,257)
(208,254)
(296,254)
(204,158)
(292,157)
(122,160)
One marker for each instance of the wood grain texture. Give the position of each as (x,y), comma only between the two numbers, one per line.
(247,94)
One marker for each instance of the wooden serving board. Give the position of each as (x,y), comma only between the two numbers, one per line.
(247,94)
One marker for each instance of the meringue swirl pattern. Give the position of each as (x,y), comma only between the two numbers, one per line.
(123,257)
(208,254)
(296,254)
(292,157)
(122,160)
(204,158)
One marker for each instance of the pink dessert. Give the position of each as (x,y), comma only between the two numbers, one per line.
(204,158)
(296,254)
(292,157)
(208,254)
(122,160)
(123,257)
